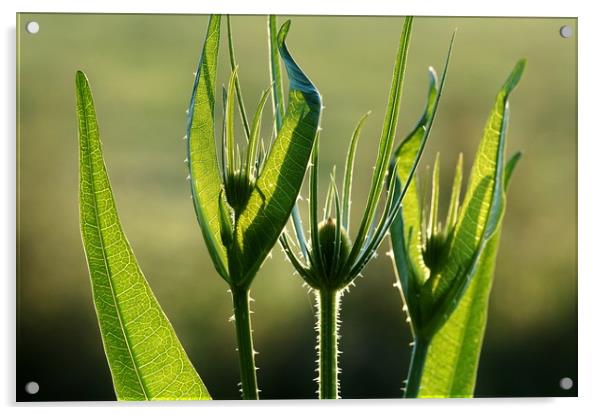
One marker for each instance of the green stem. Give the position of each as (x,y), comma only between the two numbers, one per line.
(328,343)
(416,367)
(246,353)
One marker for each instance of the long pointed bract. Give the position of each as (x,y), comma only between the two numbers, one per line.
(233,65)
(229,116)
(254,138)
(454,200)
(387,136)
(348,175)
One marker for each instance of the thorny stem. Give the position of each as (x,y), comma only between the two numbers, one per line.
(419,353)
(328,312)
(246,353)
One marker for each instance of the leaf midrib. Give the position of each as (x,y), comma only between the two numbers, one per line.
(102,243)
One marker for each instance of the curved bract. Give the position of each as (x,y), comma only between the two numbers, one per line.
(146,358)
(278,185)
(297,79)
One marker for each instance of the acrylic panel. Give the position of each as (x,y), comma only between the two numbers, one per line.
(154,303)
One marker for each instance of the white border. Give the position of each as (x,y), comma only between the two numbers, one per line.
(590,207)
(372,7)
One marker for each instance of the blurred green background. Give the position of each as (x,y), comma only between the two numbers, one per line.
(141,71)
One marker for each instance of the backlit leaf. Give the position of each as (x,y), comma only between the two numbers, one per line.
(276,189)
(146,358)
(484,200)
(202,155)
(453,357)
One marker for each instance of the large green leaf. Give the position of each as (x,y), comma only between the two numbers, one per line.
(146,358)
(484,200)
(202,154)
(453,357)
(276,189)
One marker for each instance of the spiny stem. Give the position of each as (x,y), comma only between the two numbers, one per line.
(328,309)
(416,367)
(246,353)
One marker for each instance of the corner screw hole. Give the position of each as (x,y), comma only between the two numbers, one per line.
(32,388)
(566,32)
(32,27)
(566,383)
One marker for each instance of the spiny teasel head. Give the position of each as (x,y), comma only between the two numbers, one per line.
(436,239)
(331,259)
(334,252)
(238,188)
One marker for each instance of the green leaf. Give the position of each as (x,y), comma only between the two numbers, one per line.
(226,218)
(278,110)
(202,155)
(146,358)
(453,357)
(276,190)
(482,207)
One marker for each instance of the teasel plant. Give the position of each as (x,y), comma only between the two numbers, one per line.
(243,205)
(330,261)
(445,271)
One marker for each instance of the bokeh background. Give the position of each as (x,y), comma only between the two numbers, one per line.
(141,71)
